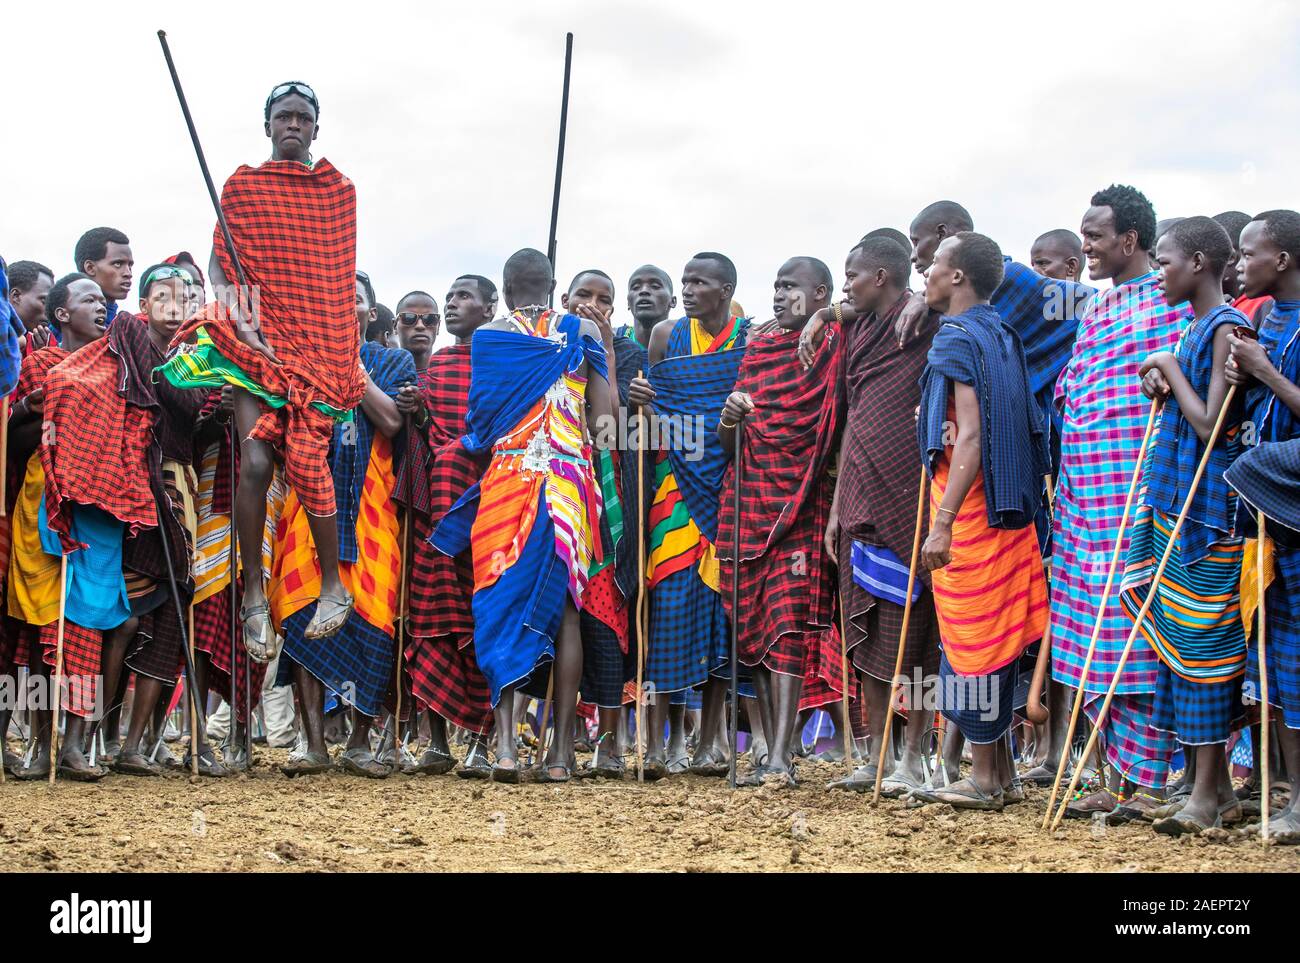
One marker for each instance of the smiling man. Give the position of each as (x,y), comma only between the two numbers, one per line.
(1104,415)
(289,346)
(787,610)
(693,365)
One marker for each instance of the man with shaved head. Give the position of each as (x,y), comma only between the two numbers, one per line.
(693,365)
(1057,254)
(786,615)
(537,379)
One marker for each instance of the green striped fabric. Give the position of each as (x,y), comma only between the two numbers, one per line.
(613,508)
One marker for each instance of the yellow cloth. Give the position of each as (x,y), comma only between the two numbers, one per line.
(34,575)
(1250,580)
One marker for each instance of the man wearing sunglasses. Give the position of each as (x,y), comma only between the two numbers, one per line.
(288,342)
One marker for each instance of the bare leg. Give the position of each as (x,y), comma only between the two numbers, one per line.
(713,720)
(311,698)
(568,675)
(255,470)
(759,711)
(785,691)
(113,667)
(504,716)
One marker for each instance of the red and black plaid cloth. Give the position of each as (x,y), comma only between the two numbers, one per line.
(295,230)
(96,445)
(879,479)
(786,587)
(82,651)
(212,635)
(437,470)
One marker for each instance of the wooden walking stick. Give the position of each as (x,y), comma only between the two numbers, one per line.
(403,600)
(1150,598)
(194,713)
(734,722)
(58,666)
(640,595)
(902,636)
(1035,711)
(1263,682)
(1101,614)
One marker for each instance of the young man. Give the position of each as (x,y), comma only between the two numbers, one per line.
(104,254)
(608,661)
(83,487)
(986,487)
(790,415)
(693,365)
(537,379)
(289,346)
(1058,254)
(445,679)
(29,284)
(357,661)
(1194,623)
(154,655)
(1104,415)
(1268,477)
(1257,308)
(870,529)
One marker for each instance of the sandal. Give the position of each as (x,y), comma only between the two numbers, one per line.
(611,766)
(1102,801)
(135,764)
(861,779)
(434,762)
(476,765)
(544,773)
(898,785)
(967,794)
(359,761)
(306,763)
(209,765)
(322,628)
(1180,824)
(652,770)
(711,762)
(1140,807)
(80,775)
(506,774)
(260,640)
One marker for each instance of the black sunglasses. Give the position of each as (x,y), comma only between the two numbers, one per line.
(292,87)
(410,319)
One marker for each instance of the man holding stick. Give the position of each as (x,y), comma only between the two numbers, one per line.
(289,344)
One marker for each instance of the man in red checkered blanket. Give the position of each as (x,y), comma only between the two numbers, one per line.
(786,633)
(289,344)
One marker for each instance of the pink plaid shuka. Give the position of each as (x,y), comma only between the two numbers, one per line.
(1105,415)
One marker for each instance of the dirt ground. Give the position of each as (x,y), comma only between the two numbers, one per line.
(333,822)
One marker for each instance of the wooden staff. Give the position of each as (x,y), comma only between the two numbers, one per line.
(1101,614)
(640,595)
(1035,711)
(844,678)
(58,666)
(902,636)
(1263,681)
(403,598)
(734,722)
(194,713)
(1150,599)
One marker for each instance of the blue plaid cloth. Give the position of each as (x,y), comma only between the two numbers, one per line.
(690,638)
(690,391)
(356,663)
(883,574)
(1045,313)
(1173,458)
(389,369)
(1268,479)
(1196,713)
(1280,336)
(976,348)
(981,706)
(11,333)
(604,666)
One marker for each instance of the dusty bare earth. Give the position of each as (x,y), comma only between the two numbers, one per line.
(265,822)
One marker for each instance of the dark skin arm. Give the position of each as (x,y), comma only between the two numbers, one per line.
(1248,361)
(737,406)
(604,333)
(962,471)
(1162,374)
(25,427)
(381,410)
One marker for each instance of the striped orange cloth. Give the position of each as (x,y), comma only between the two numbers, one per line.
(991,598)
(372,578)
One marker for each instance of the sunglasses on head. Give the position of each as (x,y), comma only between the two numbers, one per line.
(292,87)
(410,319)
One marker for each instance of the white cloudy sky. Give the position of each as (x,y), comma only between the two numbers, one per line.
(760,130)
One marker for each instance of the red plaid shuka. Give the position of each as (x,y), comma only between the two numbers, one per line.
(95,449)
(879,478)
(786,589)
(295,231)
(82,651)
(443,673)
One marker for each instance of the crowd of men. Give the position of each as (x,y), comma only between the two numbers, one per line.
(265,471)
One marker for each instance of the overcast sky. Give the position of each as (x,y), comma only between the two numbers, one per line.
(759,130)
